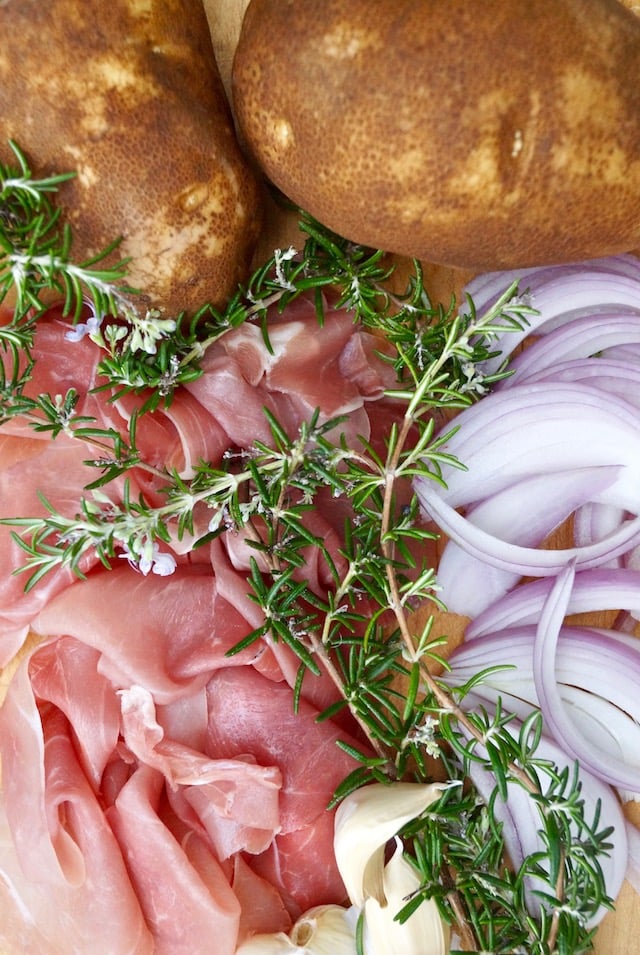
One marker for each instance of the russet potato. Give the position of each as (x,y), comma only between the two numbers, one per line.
(126,94)
(476,135)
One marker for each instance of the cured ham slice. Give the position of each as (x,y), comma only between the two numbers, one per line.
(56,671)
(301,864)
(249,714)
(261,906)
(171,807)
(42,919)
(20,482)
(166,634)
(336,372)
(187,901)
(236,800)
(233,402)
(62,876)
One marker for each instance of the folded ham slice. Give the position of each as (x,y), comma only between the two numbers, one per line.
(250,714)
(63,883)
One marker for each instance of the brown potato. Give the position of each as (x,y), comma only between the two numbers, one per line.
(477,135)
(126,93)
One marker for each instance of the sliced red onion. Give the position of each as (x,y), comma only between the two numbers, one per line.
(614,376)
(538,429)
(629,353)
(485,289)
(489,284)
(580,338)
(559,724)
(633,861)
(524,561)
(604,705)
(596,589)
(524,513)
(560,294)
(544,433)
(529,463)
(593,521)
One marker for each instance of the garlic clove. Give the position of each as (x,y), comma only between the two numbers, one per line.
(325,930)
(423,933)
(364,822)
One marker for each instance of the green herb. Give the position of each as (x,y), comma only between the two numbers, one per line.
(383,668)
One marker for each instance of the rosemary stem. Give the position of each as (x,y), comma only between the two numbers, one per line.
(376,745)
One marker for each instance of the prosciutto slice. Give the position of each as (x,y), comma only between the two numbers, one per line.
(249,714)
(186,899)
(57,670)
(336,370)
(29,466)
(236,800)
(166,634)
(62,875)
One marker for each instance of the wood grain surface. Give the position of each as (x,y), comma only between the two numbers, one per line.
(619,933)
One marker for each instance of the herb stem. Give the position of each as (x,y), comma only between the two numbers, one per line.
(376,745)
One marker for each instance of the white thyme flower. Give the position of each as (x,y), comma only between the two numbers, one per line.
(280,257)
(149,559)
(79,331)
(145,333)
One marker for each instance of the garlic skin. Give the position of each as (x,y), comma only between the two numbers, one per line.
(323,930)
(365,821)
(423,933)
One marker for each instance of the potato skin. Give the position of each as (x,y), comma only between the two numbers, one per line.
(477,135)
(126,93)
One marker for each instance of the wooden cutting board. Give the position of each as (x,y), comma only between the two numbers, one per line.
(619,933)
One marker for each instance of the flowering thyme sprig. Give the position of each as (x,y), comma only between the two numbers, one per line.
(36,264)
(102,529)
(35,250)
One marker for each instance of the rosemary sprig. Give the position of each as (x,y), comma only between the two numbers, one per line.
(360,629)
(35,251)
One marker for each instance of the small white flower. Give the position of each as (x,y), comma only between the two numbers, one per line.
(279,258)
(474,380)
(163,563)
(81,329)
(150,559)
(146,332)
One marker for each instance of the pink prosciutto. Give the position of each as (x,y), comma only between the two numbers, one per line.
(159,796)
